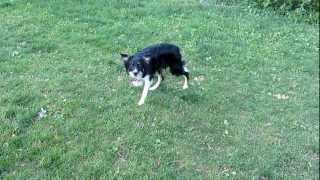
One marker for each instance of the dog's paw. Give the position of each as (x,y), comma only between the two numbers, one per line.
(140,103)
(185,87)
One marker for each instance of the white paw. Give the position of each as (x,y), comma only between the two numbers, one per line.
(140,103)
(185,87)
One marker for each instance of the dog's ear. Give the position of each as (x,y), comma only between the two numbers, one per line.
(147,59)
(124,56)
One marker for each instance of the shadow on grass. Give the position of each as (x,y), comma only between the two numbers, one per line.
(190,96)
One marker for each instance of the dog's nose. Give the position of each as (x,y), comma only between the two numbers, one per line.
(135,73)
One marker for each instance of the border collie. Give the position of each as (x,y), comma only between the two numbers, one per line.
(144,65)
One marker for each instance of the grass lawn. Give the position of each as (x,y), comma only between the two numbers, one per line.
(251,111)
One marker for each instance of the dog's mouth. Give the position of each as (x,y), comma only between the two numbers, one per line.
(134,79)
(136,82)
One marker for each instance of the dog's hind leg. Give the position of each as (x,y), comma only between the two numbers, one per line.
(181,70)
(186,77)
(155,86)
(146,87)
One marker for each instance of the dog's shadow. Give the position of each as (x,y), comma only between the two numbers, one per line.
(169,93)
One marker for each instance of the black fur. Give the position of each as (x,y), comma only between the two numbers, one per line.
(156,58)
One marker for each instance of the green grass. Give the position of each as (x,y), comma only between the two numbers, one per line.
(251,112)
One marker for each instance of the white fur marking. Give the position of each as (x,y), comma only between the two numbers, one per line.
(145,90)
(185,69)
(159,79)
(147,59)
(185,85)
(131,74)
(135,70)
(138,76)
(137,83)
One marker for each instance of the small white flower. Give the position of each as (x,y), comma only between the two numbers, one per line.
(42,113)
(226,132)
(268,124)
(225,122)
(14,53)
(281,96)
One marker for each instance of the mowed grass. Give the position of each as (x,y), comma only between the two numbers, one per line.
(251,112)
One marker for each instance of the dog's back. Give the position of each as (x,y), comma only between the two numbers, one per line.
(165,55)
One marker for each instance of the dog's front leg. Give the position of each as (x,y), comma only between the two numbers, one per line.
(146,87)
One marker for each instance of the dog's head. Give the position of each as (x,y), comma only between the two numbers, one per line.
(134,65)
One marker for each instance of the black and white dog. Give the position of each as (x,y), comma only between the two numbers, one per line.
(145,64)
